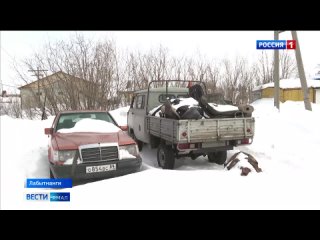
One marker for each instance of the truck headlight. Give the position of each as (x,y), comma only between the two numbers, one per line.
(64,157)
(128,151)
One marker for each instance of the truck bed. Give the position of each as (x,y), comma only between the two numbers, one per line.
(202,130)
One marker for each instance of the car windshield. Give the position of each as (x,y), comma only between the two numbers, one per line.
(68,120)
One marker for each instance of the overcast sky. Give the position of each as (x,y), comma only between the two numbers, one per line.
(212,44)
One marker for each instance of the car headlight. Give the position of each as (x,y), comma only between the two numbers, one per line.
(64,157)
(128,151)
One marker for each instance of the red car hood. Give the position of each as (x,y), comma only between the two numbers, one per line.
(71,141)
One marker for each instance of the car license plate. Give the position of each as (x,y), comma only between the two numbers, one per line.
(101,168)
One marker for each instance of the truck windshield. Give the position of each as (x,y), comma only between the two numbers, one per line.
(68,120)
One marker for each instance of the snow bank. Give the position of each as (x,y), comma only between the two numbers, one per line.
(288,139)
(286,145)
(23,155)
(91,125)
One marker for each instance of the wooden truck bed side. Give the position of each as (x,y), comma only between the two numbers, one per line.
(203,130)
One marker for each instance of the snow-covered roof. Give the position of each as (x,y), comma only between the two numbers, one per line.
(290,83)
(317,76)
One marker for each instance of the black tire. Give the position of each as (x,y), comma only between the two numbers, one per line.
(165,157)
(218,157)
(130,133)
(51,174)
(139,143)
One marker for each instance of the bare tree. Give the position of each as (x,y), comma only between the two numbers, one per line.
(97,73)
(265,65)
(92,76)
(288,65)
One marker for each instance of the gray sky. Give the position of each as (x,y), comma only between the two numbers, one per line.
(211,44)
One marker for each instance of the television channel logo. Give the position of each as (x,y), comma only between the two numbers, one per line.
(37,196)
(59,197)
(276,44)
(46,197)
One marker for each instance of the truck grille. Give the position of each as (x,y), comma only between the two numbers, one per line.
(97,154)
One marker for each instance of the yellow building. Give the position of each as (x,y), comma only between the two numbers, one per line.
(290,89)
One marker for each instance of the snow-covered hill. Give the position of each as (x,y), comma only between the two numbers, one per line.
(286,145)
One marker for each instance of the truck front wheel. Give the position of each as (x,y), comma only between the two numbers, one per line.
(139,143)
(218,157)
(165,157)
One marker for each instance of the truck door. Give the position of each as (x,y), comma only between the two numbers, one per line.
(131,114)
(138,116)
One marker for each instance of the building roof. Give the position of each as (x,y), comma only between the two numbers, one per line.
(289,83)
(49,80)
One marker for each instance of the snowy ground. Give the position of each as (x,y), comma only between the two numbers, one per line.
(286,145)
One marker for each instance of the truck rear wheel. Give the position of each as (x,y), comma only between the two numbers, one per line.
(165,157)
(218,157)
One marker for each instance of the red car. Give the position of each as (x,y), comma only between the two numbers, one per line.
(90,145)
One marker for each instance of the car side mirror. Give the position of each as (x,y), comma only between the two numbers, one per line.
(48,131)
(124,128)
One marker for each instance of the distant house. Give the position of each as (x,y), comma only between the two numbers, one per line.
(57,89)
(9,97)
(316,72)
(317,75)
(290,89)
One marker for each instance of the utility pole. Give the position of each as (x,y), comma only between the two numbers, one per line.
(302,75)
(38,74)
(276,74)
